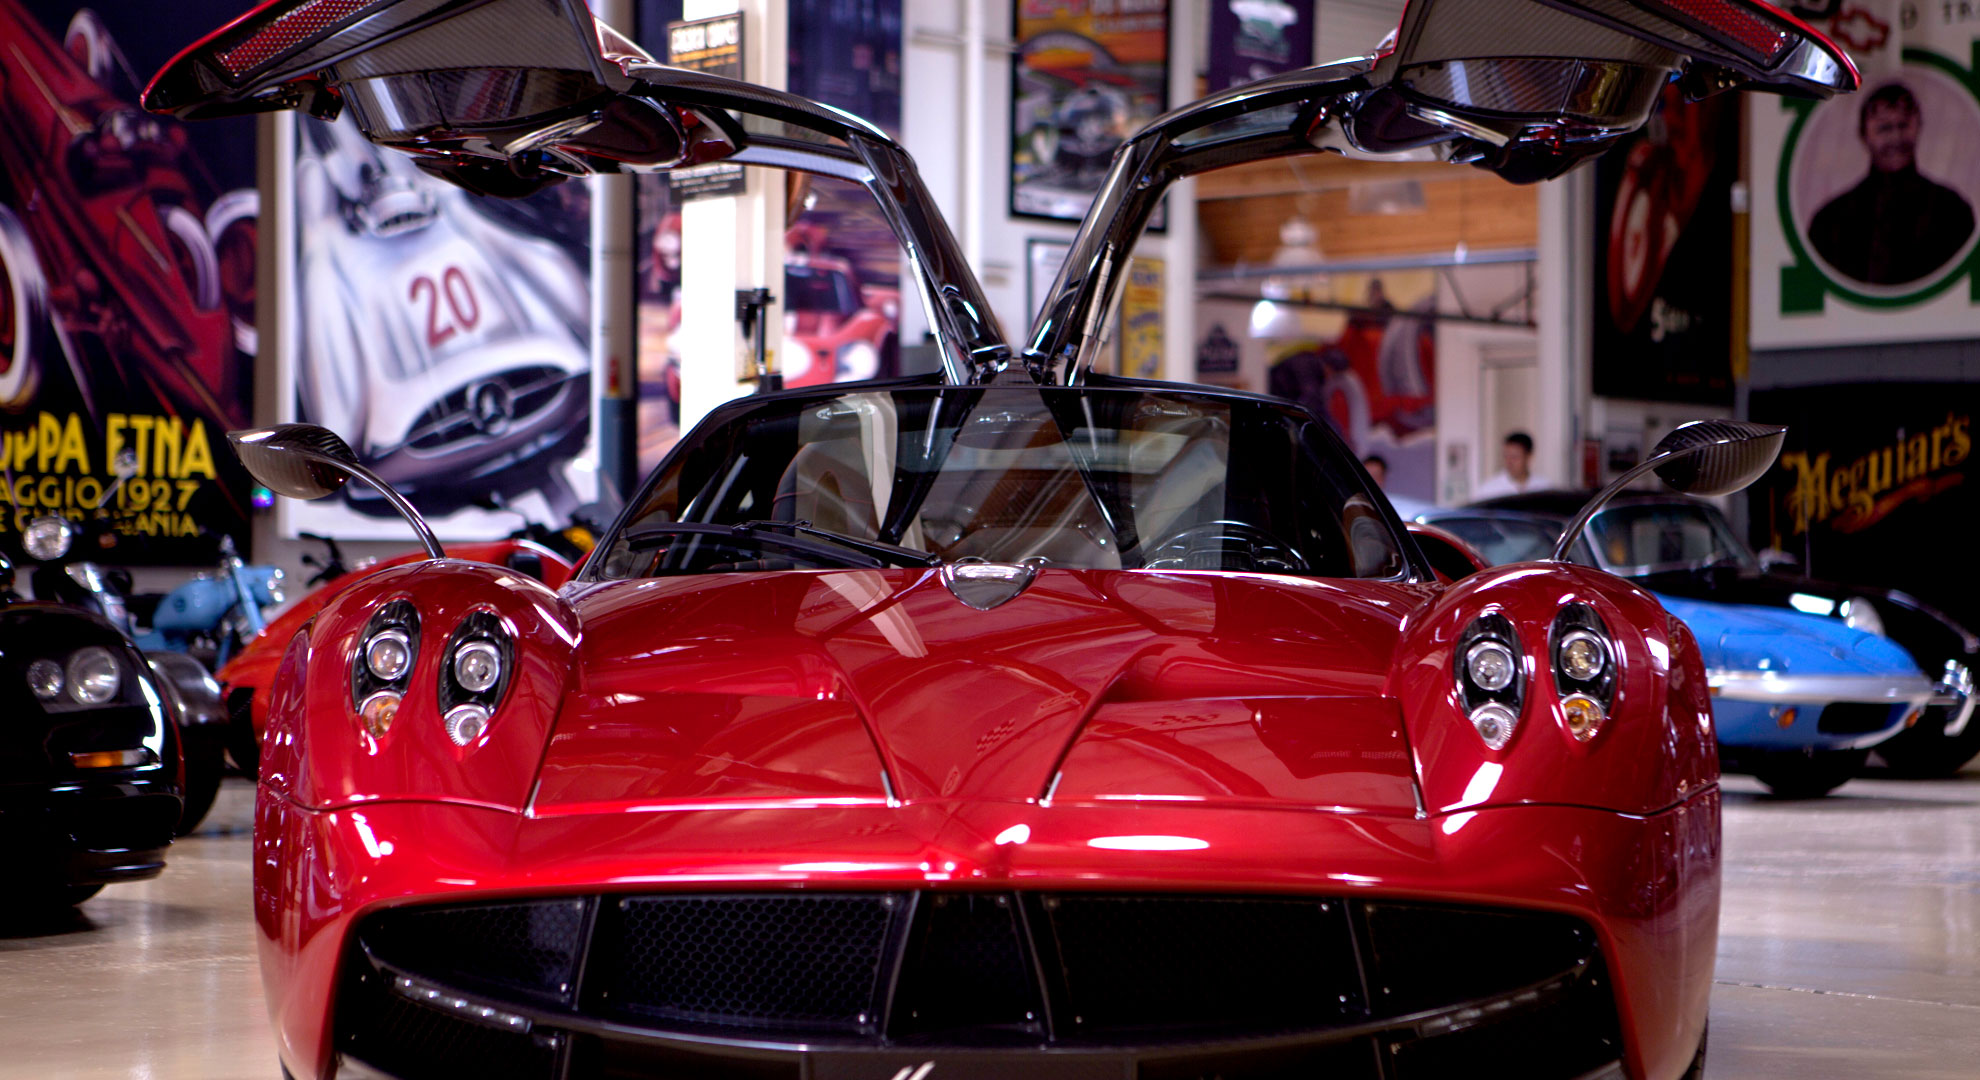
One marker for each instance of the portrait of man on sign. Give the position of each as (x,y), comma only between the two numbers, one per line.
(1896,225)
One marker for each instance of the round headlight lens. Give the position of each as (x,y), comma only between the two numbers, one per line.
(388,654)
(45,679)
(1584,716)
(465,723)
(1583,656)
(478,666)
(1490,666)
(378,712)
(1860,614)
(1494,723)
(93,675)
(48,538)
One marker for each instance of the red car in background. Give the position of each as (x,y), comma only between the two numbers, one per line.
(838,329)
(114,248)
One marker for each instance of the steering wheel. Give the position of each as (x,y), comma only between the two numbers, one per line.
(1223,545)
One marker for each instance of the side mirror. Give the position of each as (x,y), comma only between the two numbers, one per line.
(1704,457)
(304,461)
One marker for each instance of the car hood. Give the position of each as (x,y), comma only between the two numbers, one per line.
(854,687)
(1751,637)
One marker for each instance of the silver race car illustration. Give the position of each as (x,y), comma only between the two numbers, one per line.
(448,347)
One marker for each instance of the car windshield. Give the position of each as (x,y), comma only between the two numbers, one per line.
(1088,477)
(811,288)
(1650,537)
(1501,540)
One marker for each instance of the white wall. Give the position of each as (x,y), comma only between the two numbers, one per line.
(935,128)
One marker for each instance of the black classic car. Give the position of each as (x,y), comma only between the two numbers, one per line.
(1684,550)
(90,769)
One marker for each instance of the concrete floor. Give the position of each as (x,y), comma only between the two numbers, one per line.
(1849,947)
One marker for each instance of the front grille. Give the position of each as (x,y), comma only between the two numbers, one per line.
(527,391)
(1854,718)
(1235,986)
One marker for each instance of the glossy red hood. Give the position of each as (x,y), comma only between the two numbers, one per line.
(849,686)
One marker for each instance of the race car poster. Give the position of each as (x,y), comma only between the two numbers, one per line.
(127,249)
(1863,206)
(446,336)
(1891,501)
(842,280)
(1086,74)
(1257,39)
(1371,370)
(1664,255)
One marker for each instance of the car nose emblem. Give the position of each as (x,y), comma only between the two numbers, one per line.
(492,407)
(983,584)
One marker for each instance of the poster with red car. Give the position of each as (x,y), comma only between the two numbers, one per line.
(127,283)
(1664,256)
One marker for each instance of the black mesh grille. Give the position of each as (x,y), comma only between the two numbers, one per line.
(792,962)
(412,1040)
(1183,986)
(1426,955)
(1193,964)
(527,947)
(1852,718)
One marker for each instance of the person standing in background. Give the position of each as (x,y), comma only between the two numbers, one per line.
(1518,476)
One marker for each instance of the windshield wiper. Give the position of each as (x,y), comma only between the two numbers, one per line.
(843,550)
(879,549)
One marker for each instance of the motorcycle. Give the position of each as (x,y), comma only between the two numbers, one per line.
(63,573)
(211,617)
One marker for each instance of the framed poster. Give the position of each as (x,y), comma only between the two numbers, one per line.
(127,316)
(1085,75)
(446,336)
(1864,205)
(1257,39)
(1141,319)
(1663,321)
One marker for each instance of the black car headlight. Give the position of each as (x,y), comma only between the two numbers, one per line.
(48,538)
(1584,669)
(90,677)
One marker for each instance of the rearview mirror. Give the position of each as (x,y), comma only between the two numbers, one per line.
(1704,457)
(304,461)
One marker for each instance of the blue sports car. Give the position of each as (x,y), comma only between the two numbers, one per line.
(1807,677)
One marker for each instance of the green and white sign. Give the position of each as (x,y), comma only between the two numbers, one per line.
(1864,206)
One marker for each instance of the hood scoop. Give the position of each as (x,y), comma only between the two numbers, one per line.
(984,585)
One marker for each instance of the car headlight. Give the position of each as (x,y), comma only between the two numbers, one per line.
(858,360)
(271,590)
(48,538)
(45,678)
(1584,669)
(382,669)
(474,674)
(1489,678)
(1859,614)
(93,675)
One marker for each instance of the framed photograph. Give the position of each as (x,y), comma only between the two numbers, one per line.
(1081,83)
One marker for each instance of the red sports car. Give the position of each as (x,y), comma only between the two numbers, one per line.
(1012,721)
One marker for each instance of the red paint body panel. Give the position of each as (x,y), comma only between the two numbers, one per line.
(748,730)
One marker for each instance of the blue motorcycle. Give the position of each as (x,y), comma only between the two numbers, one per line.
(212,616)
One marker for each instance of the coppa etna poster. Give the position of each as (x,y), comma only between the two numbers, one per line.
(1890,500)
(127,248)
